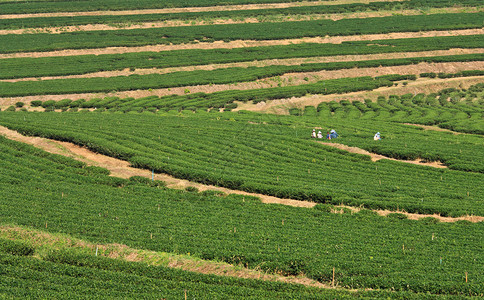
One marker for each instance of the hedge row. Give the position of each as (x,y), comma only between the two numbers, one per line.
(229,32)
(235,14)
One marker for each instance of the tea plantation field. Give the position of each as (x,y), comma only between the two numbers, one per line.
(226,94)
(366,250)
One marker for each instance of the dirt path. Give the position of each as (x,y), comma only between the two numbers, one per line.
(284,80)
(226,21)
(189,9)
(421,85)
(261,63)
(377,157)
(246,43)
(120,168)
(435,128)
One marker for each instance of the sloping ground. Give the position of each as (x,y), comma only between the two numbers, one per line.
(248,43)
(288,79)
(421,85)
(262,63)
(215,21)
(192,9)
(41,240)
(427,127)
(120,168)
(377,157)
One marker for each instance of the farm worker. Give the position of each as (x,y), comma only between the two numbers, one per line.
(328,136)
(320,135)
(377,136)
(333,134)
(313,135)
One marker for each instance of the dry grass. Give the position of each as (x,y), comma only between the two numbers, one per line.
(215,21)
(260,63)
(43,240)
(290,79)
(190,9)
(376,157)
(421,85)
(246,43)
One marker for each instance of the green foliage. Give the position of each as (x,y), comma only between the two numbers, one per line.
(180,79)
(82,64)
(295,111)
(36,103)
(68,6)
(365,249)
(228,32)
(15,247)
(75,274)
(302,10)
(146,181)
(280,159)
(191,189)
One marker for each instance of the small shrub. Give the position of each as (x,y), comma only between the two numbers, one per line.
(36,103)
(295,111)
(191,189)
(15,247)
(324,207)
(146,181)
(48,103)
(397,216)
(429,220)
(19,104)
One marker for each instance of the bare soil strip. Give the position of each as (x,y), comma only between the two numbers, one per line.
(261,63)
(246,43)
(435,128)
(377,157)
(120,168)
(421,85)
(218,21)
(285,80)
(41,239)
(189,9)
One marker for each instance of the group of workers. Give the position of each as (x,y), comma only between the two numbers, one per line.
(332,135)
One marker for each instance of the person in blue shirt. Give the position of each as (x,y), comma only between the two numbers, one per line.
(333,134)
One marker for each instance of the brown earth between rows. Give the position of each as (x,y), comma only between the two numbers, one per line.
(120,168)
(261,63)
(421,85)
(435,128)
(285,80)
(190,9)
(226,21)
(246,43)
(184,262)
(376,157)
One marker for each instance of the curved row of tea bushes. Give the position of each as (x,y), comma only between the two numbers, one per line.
(235,229)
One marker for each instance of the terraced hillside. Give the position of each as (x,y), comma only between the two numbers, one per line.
(212,96)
